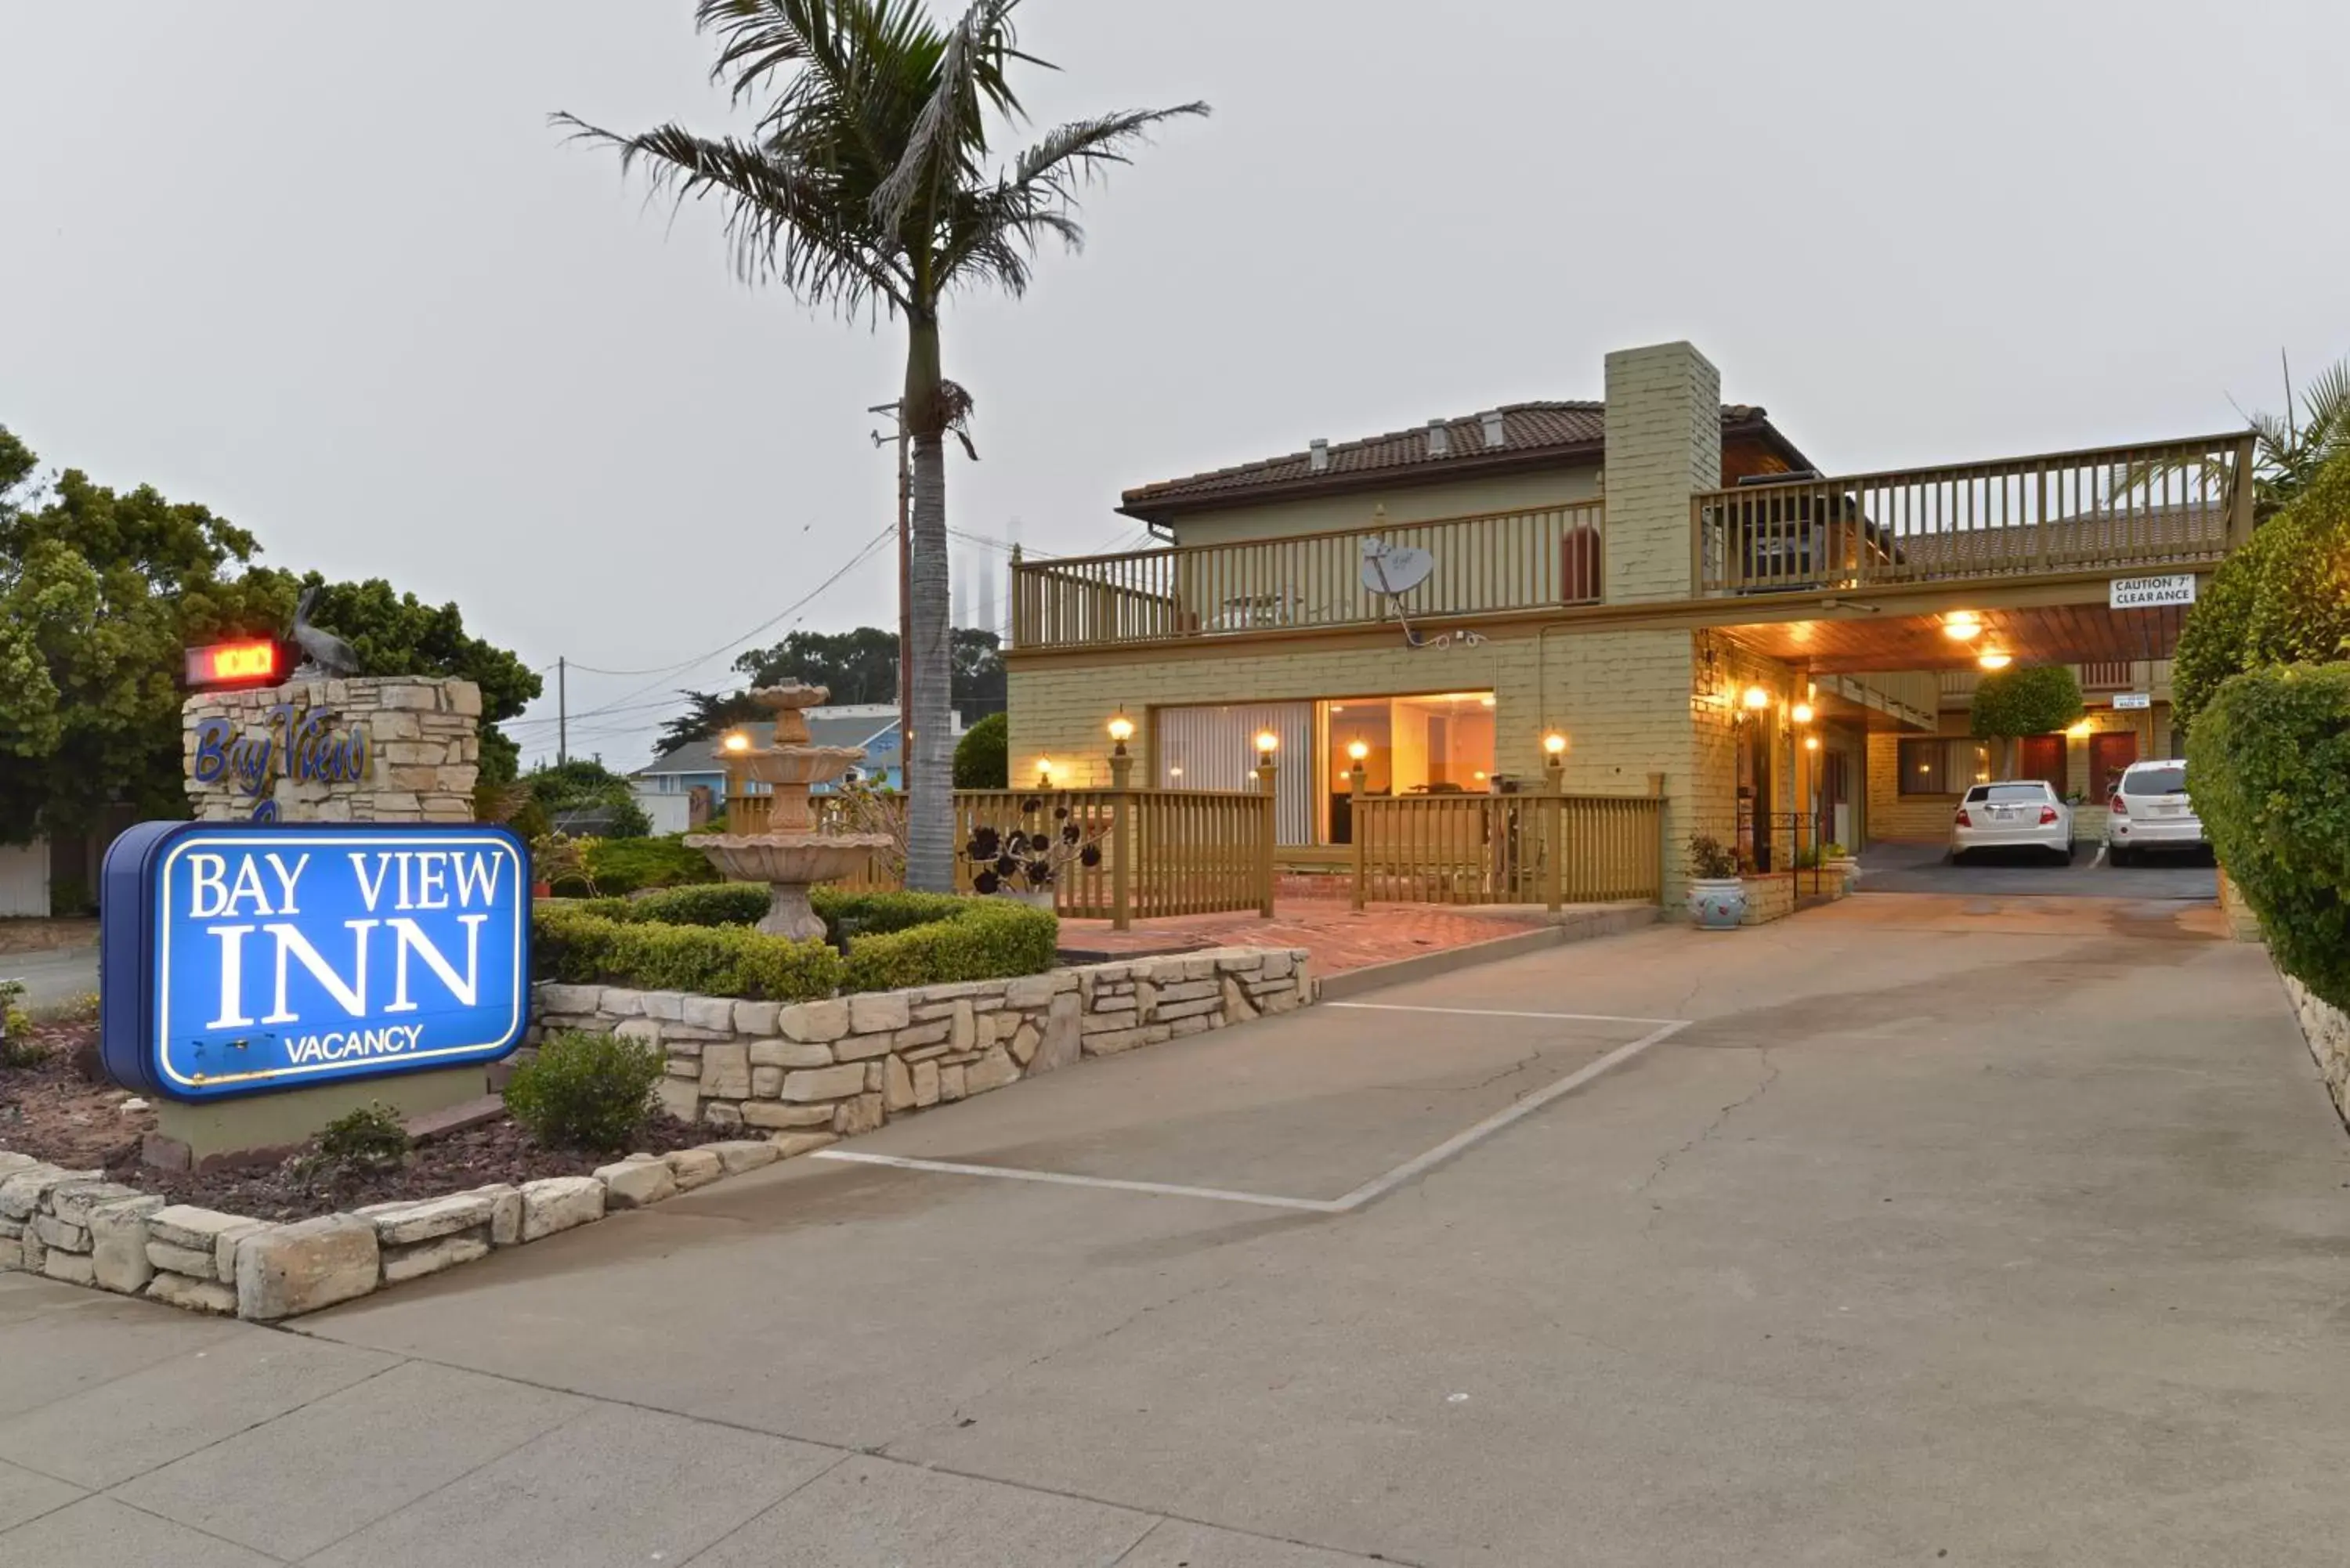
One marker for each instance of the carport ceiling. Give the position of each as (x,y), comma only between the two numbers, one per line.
(1855,639)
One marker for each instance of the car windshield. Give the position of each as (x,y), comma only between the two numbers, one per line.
(2008,793)
(2170,780)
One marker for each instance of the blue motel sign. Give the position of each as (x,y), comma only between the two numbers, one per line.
(244,958)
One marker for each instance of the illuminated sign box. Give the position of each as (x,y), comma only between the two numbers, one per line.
(242,958)
(232,663)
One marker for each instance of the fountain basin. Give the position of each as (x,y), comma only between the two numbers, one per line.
(796,764)
(788,863)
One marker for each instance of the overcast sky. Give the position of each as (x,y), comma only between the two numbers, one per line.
(324,266)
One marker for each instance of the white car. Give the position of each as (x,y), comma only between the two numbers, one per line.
(2149,810)
(2024,813)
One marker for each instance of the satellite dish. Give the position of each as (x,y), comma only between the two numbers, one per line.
(1393,569)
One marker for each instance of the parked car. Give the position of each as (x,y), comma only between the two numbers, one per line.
(2021,814)
(2149,810)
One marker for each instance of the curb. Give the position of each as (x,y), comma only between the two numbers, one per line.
(1428,966)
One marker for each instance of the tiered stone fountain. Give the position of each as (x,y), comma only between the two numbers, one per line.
(790,855)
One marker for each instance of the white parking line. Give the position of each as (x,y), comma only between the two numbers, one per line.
(1503,1013)
(1370,1191)
(1061,1178)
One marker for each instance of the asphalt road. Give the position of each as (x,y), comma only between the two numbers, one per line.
(1967,1231)
(54,976)
(1906,867)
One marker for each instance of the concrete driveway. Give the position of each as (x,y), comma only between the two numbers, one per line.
(1969,1230)
(1908,868)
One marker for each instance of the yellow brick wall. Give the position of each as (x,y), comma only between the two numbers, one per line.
(1664,440)
(1404,503)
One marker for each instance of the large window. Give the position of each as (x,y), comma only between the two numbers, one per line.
(1943,764)
(1422,746)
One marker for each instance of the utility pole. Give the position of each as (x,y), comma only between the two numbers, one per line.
(562,710)
(905,591)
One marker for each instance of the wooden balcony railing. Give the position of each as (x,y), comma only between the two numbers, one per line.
(1495,563)
(2164,505)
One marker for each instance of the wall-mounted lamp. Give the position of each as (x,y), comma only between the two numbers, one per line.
(1803,713)
(1811,743)
(1757,699)
(2080,728)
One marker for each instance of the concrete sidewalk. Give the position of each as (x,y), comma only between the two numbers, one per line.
(1973,1230)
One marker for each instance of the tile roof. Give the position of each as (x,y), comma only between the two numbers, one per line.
(1542,431)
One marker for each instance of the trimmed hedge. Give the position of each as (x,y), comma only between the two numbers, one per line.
(893,940)
(985,939)
(2269,769)
(578,947)
(625,865)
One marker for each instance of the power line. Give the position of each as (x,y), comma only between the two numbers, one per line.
(668,672)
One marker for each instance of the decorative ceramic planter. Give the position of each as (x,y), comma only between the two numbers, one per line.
(1717,903)
(1845,869)
(1034,898)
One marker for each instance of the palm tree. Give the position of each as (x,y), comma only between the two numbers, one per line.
(2290,448)
(869,184)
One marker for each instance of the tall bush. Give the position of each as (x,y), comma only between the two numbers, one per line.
(983,758)
(2269,767)
(2284,599)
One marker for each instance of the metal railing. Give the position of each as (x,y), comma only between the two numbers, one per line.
(2161,504)
(1489,563)
(1548,849)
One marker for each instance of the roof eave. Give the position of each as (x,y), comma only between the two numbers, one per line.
(1426,472)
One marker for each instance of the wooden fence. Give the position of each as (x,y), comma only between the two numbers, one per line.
(1547,849)
(1158,852)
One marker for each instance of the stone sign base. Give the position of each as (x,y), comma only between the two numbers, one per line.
(376,749)
(262,1129)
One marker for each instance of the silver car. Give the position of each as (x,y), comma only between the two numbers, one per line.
(2149,810)
(2022,814)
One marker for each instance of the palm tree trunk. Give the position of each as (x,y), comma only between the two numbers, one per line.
(929,760)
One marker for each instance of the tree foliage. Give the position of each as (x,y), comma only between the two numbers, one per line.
(859,666)
(582,785)
(873,182)
(2033,700)
(2269,766)
(101,593)
(2283,599)
(396,633)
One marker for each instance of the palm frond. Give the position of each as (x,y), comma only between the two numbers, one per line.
(992,233)
(783,219)
(949,136)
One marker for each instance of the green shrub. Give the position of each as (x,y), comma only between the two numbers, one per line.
(578,947)
(872,913)
(2269,768)
(983,758)
(364,1142)
(2284,599)
(626,865)
(985,939)
(710,904)
(586,1091)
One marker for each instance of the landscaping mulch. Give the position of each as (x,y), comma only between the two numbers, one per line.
(50,1111)
(477,1156)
